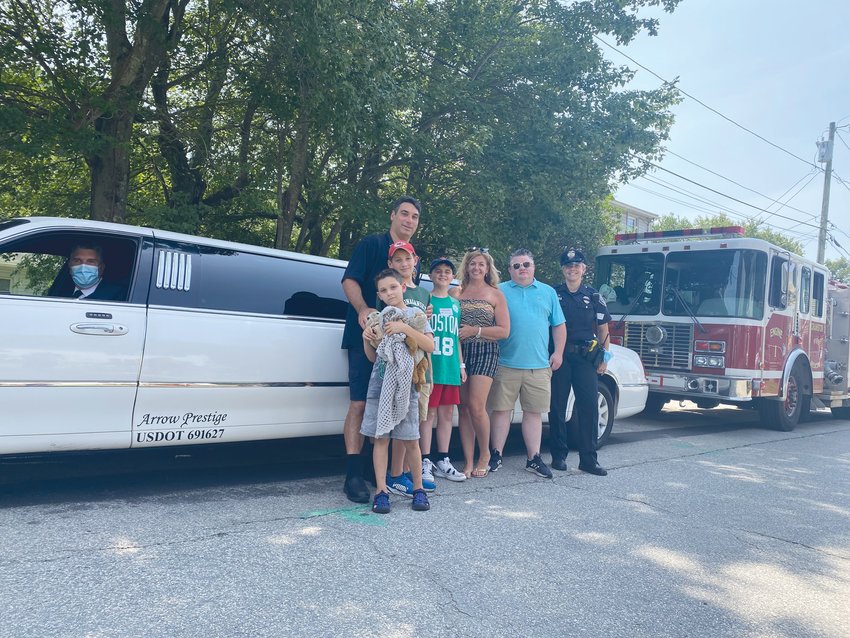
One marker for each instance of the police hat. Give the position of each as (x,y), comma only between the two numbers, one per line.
(572,256)
(440,261)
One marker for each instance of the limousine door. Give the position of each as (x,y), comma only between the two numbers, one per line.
(241,346)
(68,368)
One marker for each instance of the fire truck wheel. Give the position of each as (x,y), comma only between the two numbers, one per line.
(654,404)
(841,413)
(785,414)
(707,404)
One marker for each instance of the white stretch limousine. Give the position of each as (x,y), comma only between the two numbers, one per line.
(198,341)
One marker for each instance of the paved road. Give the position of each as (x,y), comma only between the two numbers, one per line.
(706,526)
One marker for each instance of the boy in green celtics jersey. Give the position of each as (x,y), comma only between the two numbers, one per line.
(403,259)
(448,373)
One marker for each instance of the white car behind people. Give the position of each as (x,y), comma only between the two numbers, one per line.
(623,390)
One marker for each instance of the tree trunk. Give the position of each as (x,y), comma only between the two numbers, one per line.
(110,167)
(187,183)
(297,174)
(131,67)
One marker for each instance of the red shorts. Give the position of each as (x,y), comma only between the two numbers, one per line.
(444,395)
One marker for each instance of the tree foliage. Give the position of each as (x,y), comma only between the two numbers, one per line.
(292,123)
(839,268)
(751,228)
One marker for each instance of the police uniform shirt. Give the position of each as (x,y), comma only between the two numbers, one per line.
(583,309)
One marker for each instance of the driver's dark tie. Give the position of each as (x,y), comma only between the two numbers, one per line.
(77,294)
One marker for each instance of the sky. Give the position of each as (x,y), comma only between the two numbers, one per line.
(780,68)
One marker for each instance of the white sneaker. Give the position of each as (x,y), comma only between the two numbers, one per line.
(427,471)
(445,469)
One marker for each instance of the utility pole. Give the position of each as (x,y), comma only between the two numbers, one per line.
(825,155)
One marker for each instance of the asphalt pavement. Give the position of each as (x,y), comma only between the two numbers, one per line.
(706,525)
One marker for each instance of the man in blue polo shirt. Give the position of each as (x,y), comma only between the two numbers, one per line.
(525,365)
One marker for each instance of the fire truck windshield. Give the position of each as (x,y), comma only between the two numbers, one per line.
(630,283)
(716,283)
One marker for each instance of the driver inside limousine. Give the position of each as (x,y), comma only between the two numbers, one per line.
(86,268)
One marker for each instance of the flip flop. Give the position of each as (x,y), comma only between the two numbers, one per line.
(480,472)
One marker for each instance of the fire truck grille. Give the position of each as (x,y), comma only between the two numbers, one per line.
(673,354)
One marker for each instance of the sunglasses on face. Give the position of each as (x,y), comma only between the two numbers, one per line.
(525,264)
(477,249)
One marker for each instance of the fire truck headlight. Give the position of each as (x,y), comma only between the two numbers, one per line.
(708,361)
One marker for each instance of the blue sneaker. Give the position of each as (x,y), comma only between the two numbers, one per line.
(381,504)
(428,486)
(401,485)
(420,501)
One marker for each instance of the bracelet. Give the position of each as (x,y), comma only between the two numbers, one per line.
(478,336)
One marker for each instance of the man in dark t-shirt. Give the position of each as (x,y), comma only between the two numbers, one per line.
(358,283)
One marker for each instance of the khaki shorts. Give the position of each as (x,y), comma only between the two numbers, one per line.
(424,396)
(533,387)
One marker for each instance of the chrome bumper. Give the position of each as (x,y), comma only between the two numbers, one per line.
(701,386)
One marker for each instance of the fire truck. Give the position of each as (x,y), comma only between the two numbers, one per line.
(717,317)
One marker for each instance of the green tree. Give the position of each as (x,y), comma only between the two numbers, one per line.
(840,269)
(751,228)
(73,78)
(293,123)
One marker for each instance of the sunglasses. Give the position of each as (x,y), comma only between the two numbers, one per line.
(525,264)
(477,249)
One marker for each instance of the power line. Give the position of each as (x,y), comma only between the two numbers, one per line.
(683,191)
(708,188)
(836,177)
(838,246)
(713,110)
(716,206)
(812,175)
(840,230)
(842,139)
(773,201)
(674,200)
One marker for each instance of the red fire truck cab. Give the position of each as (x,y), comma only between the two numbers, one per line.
(717,317)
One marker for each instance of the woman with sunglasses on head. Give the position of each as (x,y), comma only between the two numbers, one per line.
(484,320)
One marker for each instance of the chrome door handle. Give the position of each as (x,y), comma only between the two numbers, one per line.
(103,329)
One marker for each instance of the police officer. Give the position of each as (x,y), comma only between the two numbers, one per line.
(587,330)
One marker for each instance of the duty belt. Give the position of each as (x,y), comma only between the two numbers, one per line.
(577,346)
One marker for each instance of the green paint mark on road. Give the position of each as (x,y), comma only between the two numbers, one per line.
(357,514)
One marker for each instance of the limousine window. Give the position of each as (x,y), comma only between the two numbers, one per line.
(223,279)
(37,265)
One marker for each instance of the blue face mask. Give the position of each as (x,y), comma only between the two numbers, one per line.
(85,276)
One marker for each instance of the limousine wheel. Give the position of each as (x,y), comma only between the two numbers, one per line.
(606,415)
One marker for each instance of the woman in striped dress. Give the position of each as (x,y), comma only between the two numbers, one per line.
(484,320)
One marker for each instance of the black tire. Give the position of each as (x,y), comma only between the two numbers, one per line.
(841,413)
(654,404)
(607,409)
(785,414)
(707,404)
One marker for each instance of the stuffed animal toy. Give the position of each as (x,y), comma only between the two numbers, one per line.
(376,321)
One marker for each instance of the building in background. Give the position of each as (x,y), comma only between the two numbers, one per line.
(632,219)
(13,275)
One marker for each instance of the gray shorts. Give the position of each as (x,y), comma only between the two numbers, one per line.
(407,430)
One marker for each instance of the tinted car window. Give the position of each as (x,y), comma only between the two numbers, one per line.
(223,279)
